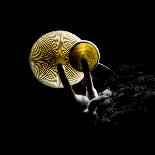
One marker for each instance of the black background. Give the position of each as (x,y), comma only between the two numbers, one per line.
(123,32)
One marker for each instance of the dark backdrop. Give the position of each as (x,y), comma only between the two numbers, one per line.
(122,32)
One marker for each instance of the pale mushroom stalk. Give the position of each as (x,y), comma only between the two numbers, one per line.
(91,91)
(80,100)
(110,70)
(64,80)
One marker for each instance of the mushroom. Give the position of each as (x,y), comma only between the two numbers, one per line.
(49,61)
(84,56)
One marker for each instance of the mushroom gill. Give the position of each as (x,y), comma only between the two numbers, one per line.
(50,50)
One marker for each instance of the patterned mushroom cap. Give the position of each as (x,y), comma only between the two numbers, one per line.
(84,50)
(49,50)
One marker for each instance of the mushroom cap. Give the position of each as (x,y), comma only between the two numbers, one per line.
(49,50)
(84,50)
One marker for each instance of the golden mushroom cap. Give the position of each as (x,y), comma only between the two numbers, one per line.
(49,50)
(84,50)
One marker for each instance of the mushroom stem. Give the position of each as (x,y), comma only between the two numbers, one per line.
(92,93)
(80,100)
(64,80)
(110,70)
